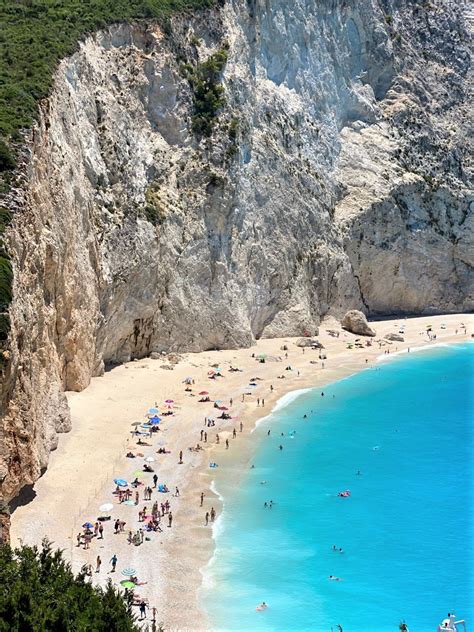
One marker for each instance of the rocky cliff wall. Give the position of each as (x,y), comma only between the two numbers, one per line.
(335,177)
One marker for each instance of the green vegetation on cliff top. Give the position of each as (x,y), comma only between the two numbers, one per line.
(39,592)
(36,34)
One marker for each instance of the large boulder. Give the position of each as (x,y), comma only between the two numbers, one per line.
(356,322)
(306,342)
(395,337)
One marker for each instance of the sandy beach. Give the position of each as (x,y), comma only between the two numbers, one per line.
(81,472)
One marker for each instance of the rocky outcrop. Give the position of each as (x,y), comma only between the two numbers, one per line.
(335,176)
(356,322)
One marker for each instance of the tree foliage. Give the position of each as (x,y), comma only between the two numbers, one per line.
(39,593)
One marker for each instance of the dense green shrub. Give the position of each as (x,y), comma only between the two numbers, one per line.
(38,592)
(208,92)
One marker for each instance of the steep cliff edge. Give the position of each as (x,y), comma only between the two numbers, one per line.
(335,176)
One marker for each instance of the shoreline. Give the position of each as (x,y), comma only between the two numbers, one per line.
(186,550)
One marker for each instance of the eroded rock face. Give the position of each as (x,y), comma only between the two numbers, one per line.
(335,177)
(356,322)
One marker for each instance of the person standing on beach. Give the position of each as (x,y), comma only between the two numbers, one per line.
(180,457)
(101,531)
(113,561)
(218,439)
(234,433)
(213,514)
(142,609)
(207,518)
(98,562)
(155,480)
(79,538)
(258,401)
(170,519)
(227,444)
(231,401)
(241,426)
(202,498)
(205,437)
(202,432)
(263,402)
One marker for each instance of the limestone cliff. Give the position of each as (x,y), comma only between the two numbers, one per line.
(336,176)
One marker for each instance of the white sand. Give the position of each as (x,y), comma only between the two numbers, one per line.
(81,471)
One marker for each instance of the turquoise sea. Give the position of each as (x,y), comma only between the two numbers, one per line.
(406,530)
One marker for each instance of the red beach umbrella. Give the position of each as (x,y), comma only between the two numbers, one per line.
(203,393)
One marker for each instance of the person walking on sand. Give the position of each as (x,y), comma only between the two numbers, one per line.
(113,561)
(202,498)
(176,493)
(155,480)
(137,497)
(227,444)
(231,401)
(241,426)
(258,401)
(170,519)
(180,457)
(79,538)
(218,439)
(213,514)
(207,518)
(234,433)
(98,562)
(205,437)
(142,609)
(101,531)
(263,402)
(202,433)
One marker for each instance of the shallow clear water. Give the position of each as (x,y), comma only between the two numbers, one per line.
(406,530)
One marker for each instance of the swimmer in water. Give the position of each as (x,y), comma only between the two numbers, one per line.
(333,578)
(262,606)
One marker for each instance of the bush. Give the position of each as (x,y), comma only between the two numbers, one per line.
(38,592)
(208,93)
(7,161)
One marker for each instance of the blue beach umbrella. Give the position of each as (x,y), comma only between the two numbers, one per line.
(88,525)
(129,571)
(153,411)
(120,482)
(154,421)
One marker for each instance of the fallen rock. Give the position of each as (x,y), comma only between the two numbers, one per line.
(155,355)
(395,337)
(305,342)
(356,322)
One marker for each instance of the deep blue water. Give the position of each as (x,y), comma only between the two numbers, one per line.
(406,530)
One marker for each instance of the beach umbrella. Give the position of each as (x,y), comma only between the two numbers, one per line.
(168,401)
(120,482)
(137,473)
(126,583)
(153,411)
(106,507)
(149,459)
(203,393)
(128,502)
(137,423)
(223,408)
(129,571)
(154,421)
(88,525)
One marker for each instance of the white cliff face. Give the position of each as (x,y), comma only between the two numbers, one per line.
(335,178)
